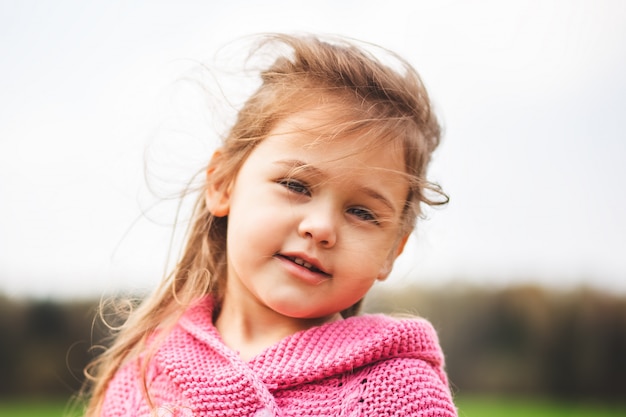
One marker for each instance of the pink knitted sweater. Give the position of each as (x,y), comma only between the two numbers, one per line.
(369,365)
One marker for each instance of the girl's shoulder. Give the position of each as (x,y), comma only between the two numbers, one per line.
(391,364)
(379,337)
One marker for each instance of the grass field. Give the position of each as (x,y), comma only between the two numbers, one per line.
(34,408)
(468,407)
(497,407)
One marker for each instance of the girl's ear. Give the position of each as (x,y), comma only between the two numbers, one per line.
(217,193)
(388,265)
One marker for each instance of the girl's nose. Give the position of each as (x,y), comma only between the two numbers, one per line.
(320,225)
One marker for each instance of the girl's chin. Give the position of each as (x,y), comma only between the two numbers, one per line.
(315,317)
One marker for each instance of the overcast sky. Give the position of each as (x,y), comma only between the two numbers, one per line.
(532,95)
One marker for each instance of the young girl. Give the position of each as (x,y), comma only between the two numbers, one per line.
(307,203)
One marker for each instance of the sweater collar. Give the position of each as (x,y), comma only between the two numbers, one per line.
(327,350)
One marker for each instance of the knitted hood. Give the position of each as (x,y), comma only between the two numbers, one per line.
(307,356)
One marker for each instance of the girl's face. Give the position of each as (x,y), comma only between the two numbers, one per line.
(311,224)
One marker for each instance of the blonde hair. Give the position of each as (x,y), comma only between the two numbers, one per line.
(387,103)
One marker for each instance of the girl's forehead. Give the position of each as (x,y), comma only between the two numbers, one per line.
(337,134)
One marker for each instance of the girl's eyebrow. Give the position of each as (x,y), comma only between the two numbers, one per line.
(379,197)
(296,164)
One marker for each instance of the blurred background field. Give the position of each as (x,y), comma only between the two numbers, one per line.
(523,349)
(468,407)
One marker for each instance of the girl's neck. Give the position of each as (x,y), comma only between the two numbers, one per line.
(249,328)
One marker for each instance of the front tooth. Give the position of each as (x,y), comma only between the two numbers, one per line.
(301,262)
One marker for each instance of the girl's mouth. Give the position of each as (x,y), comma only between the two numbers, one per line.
(301,262)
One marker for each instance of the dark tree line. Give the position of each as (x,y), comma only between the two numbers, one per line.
(45,346)
(525,340)
(522,340)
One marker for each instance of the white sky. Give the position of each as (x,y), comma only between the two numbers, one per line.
(532,95)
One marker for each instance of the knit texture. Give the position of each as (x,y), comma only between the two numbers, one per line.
(370,365)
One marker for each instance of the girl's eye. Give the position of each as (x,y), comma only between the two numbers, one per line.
(295,186)
(364,214)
